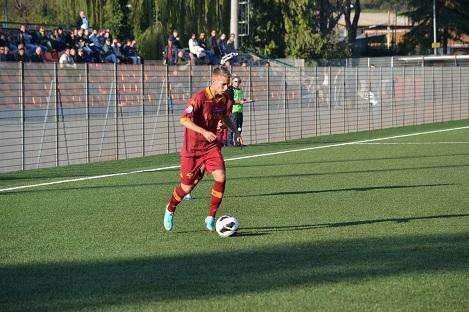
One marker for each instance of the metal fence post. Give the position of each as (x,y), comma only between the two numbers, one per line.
(369,98)
(392,94)
(442,94)
(284,103)
(87,102)
(116,115)
(142,94)
(381,97)
(343,95)
(433,93)
(316,100)
(330,100)
(301,104)
(268,104)
(452,97)
(167,107)
(56,101)
(460,94)
(424,76)
(403,111)
(413,96)
(23,131)
(357,82)
(252,103)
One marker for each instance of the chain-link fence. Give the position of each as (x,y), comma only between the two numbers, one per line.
(52,116)
(399,61)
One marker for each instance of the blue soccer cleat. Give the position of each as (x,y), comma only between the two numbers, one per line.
(210,223)
(168,220)
(188,197)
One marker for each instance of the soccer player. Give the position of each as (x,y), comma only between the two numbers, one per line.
(237,96)
(201,148)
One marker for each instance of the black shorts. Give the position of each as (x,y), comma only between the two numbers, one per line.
(237,120)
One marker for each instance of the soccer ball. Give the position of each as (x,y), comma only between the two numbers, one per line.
(227,225)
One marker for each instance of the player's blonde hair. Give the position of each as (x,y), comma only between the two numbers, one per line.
(221,71)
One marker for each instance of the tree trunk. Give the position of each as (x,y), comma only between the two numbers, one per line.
(352,25)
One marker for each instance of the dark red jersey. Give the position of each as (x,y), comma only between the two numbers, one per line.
(204,109)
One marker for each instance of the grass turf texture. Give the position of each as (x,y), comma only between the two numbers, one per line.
(357,227)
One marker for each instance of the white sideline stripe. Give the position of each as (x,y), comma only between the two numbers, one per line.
(410,143)
(230,159)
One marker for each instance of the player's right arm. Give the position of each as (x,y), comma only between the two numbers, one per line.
(195,104)
(189,124)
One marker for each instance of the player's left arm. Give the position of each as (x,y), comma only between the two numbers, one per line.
(232,127)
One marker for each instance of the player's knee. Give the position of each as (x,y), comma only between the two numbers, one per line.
(186,188)
(219,175)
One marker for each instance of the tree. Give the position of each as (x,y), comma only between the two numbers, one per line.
(452,20)
(117,18)
(303,39)
(266,28)
(351,24)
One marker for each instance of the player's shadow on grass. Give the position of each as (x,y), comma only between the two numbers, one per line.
(142,281)
(303,227)
(340,161)
(351,189)
(254,177)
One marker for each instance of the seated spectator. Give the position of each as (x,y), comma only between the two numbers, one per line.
(3,56)
(21,56)
(58,39)
(116,49)
(9,57)
(37,56)
(231,48)
(25,38)
(3,40)
(177,43)
(82,21)
(73,54)
(130,51)
(231,44)
(202,42)
(66,59)
(43,40)
(223,45)
(80,57)
(170,54)
(214,45)
(93,37)
(195,49)
(107,52)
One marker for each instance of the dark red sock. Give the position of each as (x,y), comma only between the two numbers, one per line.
(176,198)
(218,189)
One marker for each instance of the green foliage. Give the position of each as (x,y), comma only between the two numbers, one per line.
(117,18)
(452,20)
(267,28)
(152,41)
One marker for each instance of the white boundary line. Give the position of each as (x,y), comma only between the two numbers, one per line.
(230,159)
(410,143)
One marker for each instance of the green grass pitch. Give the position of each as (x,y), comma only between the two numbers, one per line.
(375,227)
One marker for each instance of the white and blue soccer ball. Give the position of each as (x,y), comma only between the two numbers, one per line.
(227,225)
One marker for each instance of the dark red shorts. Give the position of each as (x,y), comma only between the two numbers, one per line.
(190,166)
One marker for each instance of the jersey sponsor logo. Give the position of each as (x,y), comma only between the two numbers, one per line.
(189,109)
(218,110)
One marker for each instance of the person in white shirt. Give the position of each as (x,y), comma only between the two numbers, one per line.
(82,21)
(194,47)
